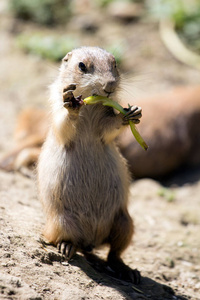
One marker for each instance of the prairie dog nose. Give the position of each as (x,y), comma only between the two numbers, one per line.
(110,86)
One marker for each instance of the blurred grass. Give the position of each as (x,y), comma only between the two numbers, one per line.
(44,12)
(104,3)
(49,47)
(186,16)
(168,194)
(50,12)
(54,48)
(118,51)
(184,13)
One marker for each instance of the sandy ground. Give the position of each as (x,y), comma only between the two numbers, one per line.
(166,244)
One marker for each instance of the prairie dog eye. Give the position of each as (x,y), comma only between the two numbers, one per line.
(82,67)
(114,62)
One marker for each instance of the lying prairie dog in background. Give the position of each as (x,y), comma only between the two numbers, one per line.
(30,133)
(170,127)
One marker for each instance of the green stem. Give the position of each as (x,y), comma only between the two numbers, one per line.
(108,102)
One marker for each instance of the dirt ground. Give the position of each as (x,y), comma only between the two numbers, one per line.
(166,243)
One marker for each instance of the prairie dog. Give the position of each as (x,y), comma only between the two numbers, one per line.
(30,133)
(83,180)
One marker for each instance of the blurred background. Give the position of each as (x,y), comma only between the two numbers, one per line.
(157,46)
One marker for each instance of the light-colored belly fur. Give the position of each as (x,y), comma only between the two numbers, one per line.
(82,187)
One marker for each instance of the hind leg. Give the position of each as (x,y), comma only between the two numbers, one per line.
(120,237)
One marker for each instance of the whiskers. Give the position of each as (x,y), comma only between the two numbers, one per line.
(85,92)
(52,71)
(133,86)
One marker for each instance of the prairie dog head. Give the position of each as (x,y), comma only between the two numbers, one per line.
(92,69)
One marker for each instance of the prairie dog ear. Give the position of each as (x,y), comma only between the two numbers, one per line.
(67,56)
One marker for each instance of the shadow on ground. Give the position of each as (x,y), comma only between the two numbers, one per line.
(147,289)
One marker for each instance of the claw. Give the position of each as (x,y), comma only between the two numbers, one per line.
(67,249)
(69,101)
(136,276)
(134,113)
(133,117)
(123,271)
(68,95)
(131,109)
(71,86)
(71,252)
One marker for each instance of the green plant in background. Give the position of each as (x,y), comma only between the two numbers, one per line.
(46,12)
(118,51)
(55,48)
(49,47)
(184,14)
(103,3)
(188,28)
(167,194)
(165,8)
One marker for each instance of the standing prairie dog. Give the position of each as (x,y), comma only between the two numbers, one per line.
(83,180)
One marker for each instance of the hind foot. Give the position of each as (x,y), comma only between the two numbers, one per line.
(67,249)
(122,271)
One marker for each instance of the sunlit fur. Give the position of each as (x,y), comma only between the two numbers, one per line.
(83,180)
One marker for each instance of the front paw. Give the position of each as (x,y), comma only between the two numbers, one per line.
(69,101)
(133,113)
